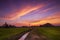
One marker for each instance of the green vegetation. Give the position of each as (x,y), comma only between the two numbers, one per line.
(53,33)
(8,32)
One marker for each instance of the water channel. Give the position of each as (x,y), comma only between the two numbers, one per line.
(24,36)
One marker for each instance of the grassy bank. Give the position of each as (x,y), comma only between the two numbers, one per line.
(8,32)
(52,33)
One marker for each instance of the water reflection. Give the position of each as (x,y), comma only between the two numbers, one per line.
(24,36)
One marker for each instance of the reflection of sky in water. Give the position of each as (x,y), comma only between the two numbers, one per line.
(24,36)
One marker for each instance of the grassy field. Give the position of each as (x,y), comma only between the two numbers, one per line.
(8,32)
(53,33)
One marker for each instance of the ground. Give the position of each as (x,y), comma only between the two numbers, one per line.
(37,33)
(44,33)
(11,33)
(33,35)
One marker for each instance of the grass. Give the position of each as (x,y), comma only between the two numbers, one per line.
(52,33)
(8,32)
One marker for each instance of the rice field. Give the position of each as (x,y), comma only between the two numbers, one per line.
(8,32)
(53,33)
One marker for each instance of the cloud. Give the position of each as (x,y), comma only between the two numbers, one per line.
(21,12)
(53,19)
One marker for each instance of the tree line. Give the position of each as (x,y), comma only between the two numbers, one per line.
(13,26)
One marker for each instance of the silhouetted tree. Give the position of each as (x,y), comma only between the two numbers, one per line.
(7,26)
(41,26)
(12,26)
(47,25)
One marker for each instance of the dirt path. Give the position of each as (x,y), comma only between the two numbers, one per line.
(34,36)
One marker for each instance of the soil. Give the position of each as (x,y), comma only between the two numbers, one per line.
(33,35)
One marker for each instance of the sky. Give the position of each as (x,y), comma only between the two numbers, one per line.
(29,12)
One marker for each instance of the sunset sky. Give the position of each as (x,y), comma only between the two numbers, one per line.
(29,12)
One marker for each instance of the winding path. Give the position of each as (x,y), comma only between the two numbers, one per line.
(33,35)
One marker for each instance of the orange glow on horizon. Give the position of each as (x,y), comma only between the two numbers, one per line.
(54,19)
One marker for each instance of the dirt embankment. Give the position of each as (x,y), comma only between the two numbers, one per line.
(35,36)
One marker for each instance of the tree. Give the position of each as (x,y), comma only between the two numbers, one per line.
(8,26)
(47,25)
(5,25)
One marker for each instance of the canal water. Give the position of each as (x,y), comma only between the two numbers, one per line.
(24,36)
